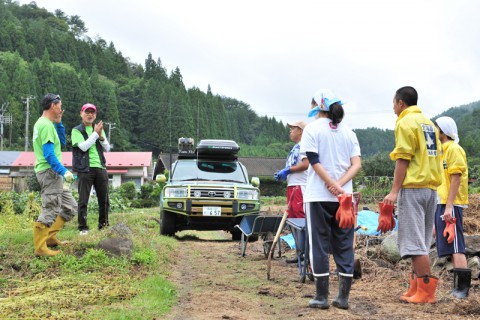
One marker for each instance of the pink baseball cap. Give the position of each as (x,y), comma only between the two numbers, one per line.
(87,106)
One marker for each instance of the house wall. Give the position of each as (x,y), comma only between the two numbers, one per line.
(136,172)
(116,180)
(6,183)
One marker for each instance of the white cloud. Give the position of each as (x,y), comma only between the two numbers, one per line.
(274,55)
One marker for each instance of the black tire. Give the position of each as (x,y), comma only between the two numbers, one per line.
(167,223)
(236,234)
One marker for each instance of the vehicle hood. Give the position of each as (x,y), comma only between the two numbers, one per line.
(207,184)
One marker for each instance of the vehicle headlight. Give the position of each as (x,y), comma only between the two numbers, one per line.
(176,192)
(247,194)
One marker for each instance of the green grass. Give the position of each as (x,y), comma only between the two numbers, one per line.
(84,282)
(155,298)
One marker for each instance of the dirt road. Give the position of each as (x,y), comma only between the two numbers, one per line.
(215,282)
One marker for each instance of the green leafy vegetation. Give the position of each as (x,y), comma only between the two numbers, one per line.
(85,282)
(44,52)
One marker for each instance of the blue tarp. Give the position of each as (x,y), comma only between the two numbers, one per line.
(369,219)
(289,240)
(366,218)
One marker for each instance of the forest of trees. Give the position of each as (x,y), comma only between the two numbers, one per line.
(44,52)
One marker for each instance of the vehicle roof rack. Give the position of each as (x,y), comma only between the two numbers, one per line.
(217,147)
(185,145)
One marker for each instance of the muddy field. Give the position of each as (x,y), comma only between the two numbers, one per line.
(215,282)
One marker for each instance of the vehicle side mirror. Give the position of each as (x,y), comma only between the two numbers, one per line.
(161,178)
(255,182)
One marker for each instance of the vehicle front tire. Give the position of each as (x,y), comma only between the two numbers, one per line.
(167,223)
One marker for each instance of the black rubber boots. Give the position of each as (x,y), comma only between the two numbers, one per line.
(462,279)
(344,285)
(321,298)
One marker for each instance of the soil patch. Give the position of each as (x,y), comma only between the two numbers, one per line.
(215,282)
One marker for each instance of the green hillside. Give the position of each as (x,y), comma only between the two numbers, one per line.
(148,107)
(44,52)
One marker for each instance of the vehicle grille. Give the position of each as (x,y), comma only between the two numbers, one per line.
(211,193)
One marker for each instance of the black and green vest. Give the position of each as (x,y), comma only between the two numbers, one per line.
(81,159)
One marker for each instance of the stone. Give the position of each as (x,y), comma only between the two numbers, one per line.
(472,245)
(389,249)
(383,264)
(120,230)
(439,262)
(117,246)
(474,263)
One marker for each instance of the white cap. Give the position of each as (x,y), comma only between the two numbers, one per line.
(449,127)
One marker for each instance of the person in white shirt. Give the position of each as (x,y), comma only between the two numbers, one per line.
(334,155)
(295,172)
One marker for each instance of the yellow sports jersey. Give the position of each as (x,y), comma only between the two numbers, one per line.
(454,161)
(416,140)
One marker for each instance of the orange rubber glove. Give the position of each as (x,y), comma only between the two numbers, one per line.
(345,216)
(449,231)
(386,222)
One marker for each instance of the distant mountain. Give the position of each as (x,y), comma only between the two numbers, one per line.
(467,117)
(147,107)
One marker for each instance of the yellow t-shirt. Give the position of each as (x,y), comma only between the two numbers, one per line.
(416,140)
(454,161)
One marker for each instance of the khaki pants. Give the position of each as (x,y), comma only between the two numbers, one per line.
(55,200)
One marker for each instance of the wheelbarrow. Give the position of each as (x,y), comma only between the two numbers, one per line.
(298,229)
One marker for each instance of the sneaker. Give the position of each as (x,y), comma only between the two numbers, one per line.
(84,232)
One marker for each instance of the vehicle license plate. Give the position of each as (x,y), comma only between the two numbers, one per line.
(212,211)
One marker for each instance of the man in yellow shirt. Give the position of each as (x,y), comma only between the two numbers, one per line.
(453,194)
(416,178)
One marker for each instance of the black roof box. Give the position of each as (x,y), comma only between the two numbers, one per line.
(218,147)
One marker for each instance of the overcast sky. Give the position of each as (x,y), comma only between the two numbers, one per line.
(274,55)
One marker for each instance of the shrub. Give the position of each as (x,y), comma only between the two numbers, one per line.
(32,184)
(128,190)
(143,256)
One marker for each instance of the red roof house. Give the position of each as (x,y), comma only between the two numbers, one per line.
(121,166)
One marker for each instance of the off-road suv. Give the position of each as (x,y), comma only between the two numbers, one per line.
(207,189)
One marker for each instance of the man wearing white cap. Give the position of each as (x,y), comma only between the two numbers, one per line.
(295,173)
(89,143)
(453,194)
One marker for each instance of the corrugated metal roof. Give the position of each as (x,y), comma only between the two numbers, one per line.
(8,157)
(114,159)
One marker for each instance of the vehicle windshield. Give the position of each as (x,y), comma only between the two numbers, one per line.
(208,170)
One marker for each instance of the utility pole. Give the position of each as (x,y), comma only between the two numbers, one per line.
(111,126)
(198,121)
(4,119)
(27,101)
